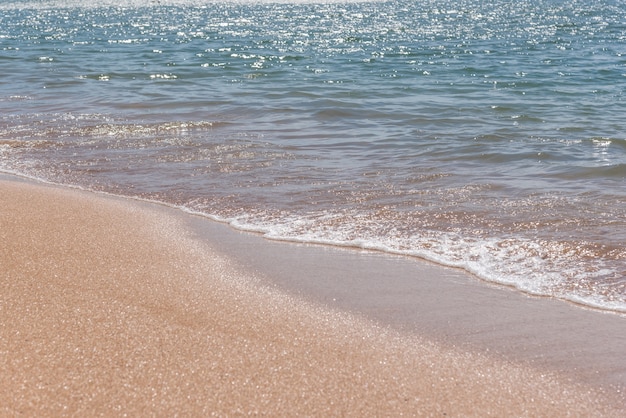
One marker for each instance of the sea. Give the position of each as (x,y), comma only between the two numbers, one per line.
(484,135)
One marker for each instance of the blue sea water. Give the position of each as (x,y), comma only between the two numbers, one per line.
(484,135)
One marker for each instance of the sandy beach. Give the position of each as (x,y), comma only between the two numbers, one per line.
(121,308)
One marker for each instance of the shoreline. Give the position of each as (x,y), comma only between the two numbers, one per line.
(121,305)
(447,304)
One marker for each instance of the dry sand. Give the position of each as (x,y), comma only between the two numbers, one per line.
(114,307)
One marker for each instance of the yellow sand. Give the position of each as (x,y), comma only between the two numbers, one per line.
(110,307)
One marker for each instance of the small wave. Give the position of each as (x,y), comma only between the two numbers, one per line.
(24,130)
(15,98)
(509,262)
(614,171)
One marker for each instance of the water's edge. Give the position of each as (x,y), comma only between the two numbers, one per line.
(15,176)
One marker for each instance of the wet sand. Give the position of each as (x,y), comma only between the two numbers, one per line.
(443,304)
(114,307)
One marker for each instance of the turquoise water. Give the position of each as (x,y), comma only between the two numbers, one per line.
(485,136)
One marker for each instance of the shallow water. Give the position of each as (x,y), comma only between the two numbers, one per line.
(488,137)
